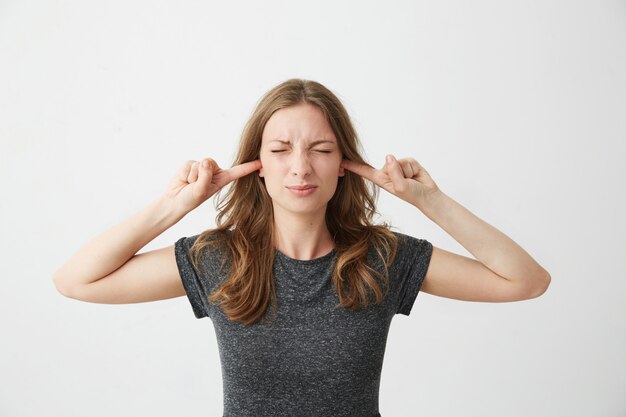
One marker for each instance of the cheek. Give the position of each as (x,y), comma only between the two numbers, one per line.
(265,165)
(271,169)
(332,167)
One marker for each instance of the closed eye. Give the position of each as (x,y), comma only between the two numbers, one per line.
(282,150)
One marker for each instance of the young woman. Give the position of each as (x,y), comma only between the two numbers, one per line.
(301,286)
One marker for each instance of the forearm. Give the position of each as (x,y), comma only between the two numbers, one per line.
(487,244)
(113,248)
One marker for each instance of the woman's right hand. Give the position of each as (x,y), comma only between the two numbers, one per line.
(196,181)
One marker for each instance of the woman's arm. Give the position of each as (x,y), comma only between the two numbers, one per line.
(106,269)
(506,272)
(113,248)
(503,271)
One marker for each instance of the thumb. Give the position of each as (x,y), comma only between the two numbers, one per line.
(395,173)
(205,176)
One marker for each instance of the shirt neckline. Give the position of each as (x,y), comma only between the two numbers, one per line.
(306,261)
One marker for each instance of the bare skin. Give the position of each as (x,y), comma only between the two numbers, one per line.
(299,147)
(502,270)
(108,269)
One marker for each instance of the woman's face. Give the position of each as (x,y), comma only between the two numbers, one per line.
(299,148)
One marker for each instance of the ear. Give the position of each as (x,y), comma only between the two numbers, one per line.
(342,171)
(261,172)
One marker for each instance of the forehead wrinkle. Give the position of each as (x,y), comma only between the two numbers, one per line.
(315,142)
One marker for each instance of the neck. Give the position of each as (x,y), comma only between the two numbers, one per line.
(302,236)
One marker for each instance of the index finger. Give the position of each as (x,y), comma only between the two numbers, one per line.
(242,170)
(363,170)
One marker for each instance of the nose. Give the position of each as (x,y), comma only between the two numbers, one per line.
(300,165)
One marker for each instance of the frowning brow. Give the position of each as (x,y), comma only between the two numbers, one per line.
(316,142)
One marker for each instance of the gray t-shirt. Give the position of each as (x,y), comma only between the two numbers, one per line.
(313,359)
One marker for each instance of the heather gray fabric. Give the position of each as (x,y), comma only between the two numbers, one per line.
(313,359)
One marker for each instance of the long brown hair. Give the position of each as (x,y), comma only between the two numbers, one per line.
(245,217)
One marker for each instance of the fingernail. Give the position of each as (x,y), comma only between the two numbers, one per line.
(389,159)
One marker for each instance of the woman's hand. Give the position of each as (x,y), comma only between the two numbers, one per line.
(197,181)
(404,178)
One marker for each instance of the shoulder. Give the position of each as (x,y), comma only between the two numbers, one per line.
(412,249)
(212,236)
(399,249)
(207,247)
(408,244)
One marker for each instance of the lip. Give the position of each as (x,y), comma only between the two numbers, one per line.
(302,191)
(302,187)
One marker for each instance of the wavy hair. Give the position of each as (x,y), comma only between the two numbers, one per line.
(245,218)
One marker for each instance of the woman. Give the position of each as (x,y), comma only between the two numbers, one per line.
(300,285)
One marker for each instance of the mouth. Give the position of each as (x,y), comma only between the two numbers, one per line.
(302,191)
(302,187)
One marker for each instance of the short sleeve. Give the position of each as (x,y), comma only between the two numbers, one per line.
(413,259)
(194,286)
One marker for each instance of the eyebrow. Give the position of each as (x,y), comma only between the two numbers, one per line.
(316,142)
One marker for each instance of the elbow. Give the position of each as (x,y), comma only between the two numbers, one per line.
(541,285)
(61,288)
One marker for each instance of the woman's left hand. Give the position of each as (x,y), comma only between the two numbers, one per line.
(404,178)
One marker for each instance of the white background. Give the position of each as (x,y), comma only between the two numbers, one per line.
(516,109)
